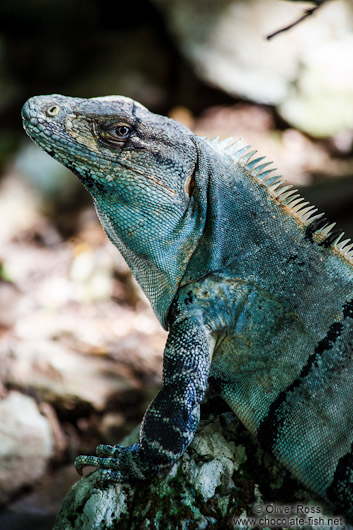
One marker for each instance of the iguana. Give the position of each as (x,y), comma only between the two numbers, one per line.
(254,286)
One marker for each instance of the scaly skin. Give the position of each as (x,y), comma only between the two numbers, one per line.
(255,287)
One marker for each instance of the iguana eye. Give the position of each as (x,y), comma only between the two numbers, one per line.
(122,131)
(113,133)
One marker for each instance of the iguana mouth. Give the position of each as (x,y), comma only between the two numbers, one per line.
(155,181)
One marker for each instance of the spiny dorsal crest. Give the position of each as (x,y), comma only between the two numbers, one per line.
(288,198)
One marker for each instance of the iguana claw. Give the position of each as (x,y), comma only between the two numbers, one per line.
(95,461)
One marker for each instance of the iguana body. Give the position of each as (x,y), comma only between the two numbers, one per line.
(255,287)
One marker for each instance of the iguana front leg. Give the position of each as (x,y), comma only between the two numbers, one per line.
(171,420)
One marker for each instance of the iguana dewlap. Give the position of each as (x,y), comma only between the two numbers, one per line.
(255,287)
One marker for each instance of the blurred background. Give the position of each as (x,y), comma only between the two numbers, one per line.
(80,349)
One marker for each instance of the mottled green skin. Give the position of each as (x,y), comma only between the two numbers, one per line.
(235,275)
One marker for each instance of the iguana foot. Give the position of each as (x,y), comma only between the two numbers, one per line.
(117,463)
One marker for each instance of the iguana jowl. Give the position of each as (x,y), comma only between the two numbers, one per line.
(255,287)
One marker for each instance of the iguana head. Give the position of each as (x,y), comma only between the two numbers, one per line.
(114,141)
(139,168)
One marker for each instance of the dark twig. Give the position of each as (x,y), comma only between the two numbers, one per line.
(306,14)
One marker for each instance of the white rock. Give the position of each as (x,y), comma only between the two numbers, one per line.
(307,70)
(26,444)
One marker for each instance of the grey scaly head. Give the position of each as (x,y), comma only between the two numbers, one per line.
(139,168)
(241,270)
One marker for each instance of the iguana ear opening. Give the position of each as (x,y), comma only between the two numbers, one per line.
(189,184)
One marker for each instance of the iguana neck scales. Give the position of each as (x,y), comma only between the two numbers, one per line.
(255,286)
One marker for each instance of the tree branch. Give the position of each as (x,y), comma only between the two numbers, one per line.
(306,14)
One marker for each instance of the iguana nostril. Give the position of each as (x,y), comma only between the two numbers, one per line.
(53,111)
